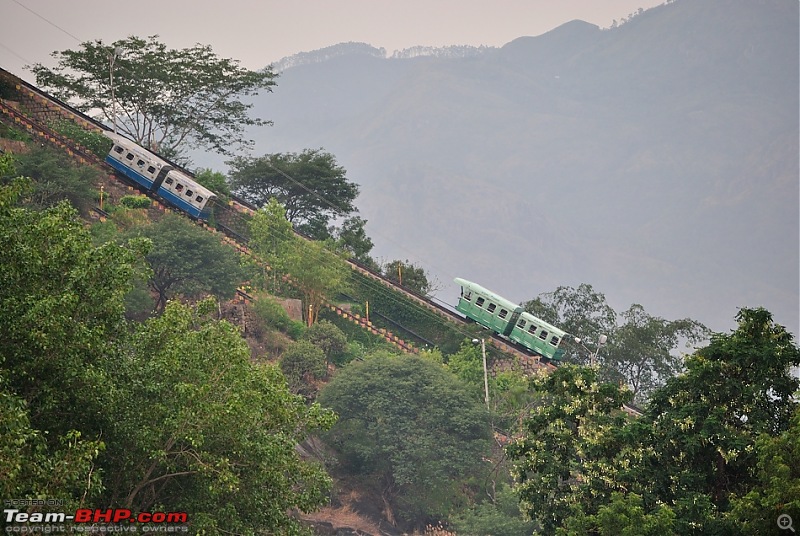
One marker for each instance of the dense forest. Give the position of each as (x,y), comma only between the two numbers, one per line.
(131,377)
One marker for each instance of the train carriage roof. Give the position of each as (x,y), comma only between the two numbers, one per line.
(486,293)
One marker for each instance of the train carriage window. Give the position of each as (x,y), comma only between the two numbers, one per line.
(479,302)
(467,296)
(151,170)
(491,307)
(140,163)
(503,313)
(169,180)
(532,329)
(521,323)
(129,156)
(179,187)
(189,193)
(543,335)
(118,149)
(199,199)
(555,340)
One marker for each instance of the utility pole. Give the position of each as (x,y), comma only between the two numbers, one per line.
(485,371)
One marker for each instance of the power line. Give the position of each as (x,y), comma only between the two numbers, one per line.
(48,21)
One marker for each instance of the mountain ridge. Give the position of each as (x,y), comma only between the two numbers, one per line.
(656,160)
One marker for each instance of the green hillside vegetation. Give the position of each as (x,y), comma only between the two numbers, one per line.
(131,377)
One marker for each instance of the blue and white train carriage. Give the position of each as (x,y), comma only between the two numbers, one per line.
(156,175)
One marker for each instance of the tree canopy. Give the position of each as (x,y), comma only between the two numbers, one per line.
(310,185)
(188,260)
(171,413)
(408,425)
(642,351)
(162,98)
(711,448)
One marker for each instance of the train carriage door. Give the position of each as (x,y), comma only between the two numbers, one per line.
(513,321)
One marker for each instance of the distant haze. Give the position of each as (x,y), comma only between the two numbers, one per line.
(657,162)
(260,32)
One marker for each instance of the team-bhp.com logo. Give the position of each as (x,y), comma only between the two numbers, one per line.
(94,520)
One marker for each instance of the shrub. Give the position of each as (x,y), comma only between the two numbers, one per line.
(302,363)
(330,339)
(135,201)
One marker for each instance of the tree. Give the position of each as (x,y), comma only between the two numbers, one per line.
(410,427)
(777,488)
(56,178)
(581,312)
(711,448)
(565,462)
(162,98)
(641,351)
(317,273)
(353,239)
(61,313)
(214,181)
(328,338)
(706,423)
(313,269)
(310,185)
(188,260)
(203,429)
(409,276)
(303,364)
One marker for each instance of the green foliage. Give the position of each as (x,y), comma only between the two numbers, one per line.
(313,271)
(777,487)
(310,185)
(56,178)
(706,422)
(406,313)
(709,456)
(176,96)
(502,517)
(564,463)
(61,306)
(170,412)
(135,201)
(303,363)
(328,338)
(201,428)
(624,515)
(581,312)
(409,276)
(273,314)
(214,181)
(11,133)
(352,238)
(641,352)
(95,141)
(188,260)
(409,426)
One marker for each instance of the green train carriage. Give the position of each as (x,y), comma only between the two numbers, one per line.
(509,320)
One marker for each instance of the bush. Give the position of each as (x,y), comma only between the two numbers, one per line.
(95,142)
(274,315)
(330,339)
(302,363)
(135,201)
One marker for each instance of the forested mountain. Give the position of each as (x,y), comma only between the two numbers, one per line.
(656,160)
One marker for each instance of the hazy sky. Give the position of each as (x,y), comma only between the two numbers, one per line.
(258,32)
